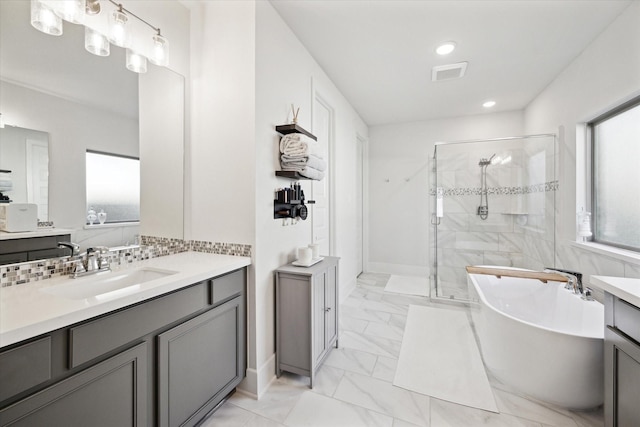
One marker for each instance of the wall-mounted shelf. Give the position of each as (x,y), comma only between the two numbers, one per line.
(294,128)
(5,171)
(291,175)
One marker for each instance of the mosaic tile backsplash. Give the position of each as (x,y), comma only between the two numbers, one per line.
(152,247)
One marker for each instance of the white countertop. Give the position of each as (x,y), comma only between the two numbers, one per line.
(27,311)
(623,287)
(43,232)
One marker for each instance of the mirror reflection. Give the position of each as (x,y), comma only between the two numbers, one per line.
(82,102)
(24,160)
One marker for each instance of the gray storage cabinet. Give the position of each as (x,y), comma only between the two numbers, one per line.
(306,316)
(167,361)
(622,363)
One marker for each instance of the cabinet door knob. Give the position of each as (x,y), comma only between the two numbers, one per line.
(327,309)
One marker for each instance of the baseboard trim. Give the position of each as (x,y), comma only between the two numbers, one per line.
(257,382)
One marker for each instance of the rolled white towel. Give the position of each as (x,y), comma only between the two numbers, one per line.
(312,161)
(297,144)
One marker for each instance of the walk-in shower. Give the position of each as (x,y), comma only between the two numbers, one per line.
(514,224)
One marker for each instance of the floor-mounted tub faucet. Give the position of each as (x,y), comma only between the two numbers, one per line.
(575,279)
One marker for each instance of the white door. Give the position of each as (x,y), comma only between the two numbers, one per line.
(37,167)
(322,129)
(359,204)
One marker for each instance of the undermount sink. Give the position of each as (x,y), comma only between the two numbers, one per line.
(107,285)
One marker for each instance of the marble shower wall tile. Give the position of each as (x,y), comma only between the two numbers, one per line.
(510,242)
(457,258)
(477,241)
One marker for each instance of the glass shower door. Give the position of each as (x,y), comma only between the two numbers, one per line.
(493,203)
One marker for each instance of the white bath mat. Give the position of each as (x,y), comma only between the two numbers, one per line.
(439,357)
(409,285)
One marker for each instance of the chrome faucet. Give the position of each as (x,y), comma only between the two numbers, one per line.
(92,261)
(574,282)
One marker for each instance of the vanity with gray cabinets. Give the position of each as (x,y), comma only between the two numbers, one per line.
(622,350)
(166,361)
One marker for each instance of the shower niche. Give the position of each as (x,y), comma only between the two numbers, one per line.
(493,203)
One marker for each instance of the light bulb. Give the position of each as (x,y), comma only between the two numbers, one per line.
(119,31)
(44,19)
(136,62)
(69,10)
(446,48)
(96,43)
(160,52)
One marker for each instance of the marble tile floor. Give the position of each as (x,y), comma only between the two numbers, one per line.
(354,386)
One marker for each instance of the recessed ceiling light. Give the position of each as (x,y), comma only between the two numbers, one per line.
(446,48)
(489,104)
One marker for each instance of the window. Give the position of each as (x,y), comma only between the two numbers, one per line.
(616,177)
(113,186)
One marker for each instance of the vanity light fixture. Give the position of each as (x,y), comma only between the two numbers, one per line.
(96,43)
(44,19)
(119,33)
(160,55)
(446,48)
(69,10)
(47,16)
(489,104)
(92,7)
(136,62)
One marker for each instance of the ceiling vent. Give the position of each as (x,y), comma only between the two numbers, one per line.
(448,72)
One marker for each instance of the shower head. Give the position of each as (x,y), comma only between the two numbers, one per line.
(486,162)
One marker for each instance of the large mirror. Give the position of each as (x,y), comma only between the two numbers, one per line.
(79,101)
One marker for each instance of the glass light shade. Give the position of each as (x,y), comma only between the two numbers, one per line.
(160,52)
(69,10)
(44,19)
(96,43)
(119,33)
(136,62)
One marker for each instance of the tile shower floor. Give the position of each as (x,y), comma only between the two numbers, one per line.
(354,386)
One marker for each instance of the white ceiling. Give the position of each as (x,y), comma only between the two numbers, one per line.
(380,53)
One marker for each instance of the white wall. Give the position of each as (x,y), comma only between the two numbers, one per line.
(284,75)
(603,76)
(399,224)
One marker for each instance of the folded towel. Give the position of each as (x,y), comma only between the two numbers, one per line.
(297,144)
(305,171)
(312,173)
(6,184)
(312,161)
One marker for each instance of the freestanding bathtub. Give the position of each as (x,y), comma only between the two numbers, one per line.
(540,339)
